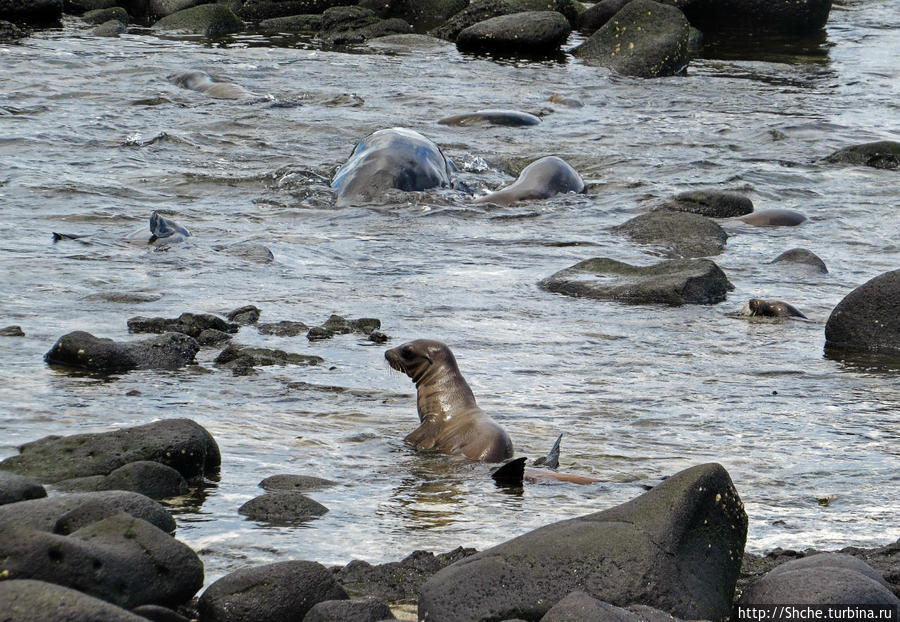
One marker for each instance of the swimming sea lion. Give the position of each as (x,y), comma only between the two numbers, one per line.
(203,82)
(509,118)
(391,158)
(451,422)
(774,218)
(758,307)
(162,231)
(514,473)
(539,180)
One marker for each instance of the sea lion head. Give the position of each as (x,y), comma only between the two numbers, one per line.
(193,80)
(420,358)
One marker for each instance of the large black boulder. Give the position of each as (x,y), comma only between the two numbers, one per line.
(678,233)
(866,320)
(36,12)
(783,16)
(121,559)
(182,444)
(25,600)
(82,350)
(481,10)
(15,487)
(673,282)
(530,32)
(279,592)
(146,477)
(67,513)
(357,610)
(677,547)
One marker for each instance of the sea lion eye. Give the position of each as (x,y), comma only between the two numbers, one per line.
(407,352)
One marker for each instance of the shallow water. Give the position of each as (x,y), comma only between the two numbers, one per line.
(93,138)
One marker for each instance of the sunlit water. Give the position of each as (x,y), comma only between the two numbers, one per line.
(639,392)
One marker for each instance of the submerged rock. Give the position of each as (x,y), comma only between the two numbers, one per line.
(82,350)
(25,600)
(337,325)
(709,203)
(187,323)
(121,559)
(12,331)
(282,508)
(531,32)
(505,118)
(181,444)
(881,154)
(681,234)
(802,257)
(240,359)
(14,487)
(645,39)
(866,320)
(295,483)
(677,547)
(37,12)
(284,328)
(279,592)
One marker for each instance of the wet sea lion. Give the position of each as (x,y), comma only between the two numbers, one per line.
(757,307)
(391,158)
(202,82)
(541,179)
(774,218)
(451,421)
(162,231)
(514,473)
(509,118)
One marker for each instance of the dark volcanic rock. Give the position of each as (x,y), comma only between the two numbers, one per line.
(245,315)
(152,479)
(866,320)
(802,257)
(359,610)
(290,23)
(237,358)
(882,154)
(209,20)
(14,487)
(481,10)
(645,39)
(68,513)
(336,325)
(677,547)
(12,331)
(831,560)
(85,351)
(676,282)
(99,16)
(709,203)
(282,508)
(192,324)
(213,337)
(284,328)
(181,444)
(255,10)
(596,16)
(37,601)
(156,613)
(279,592)
(422,14)
(579,606)
(396,580)
(31,11)
(528,32)
(295,483)
(109,28)
(786,16)
(121,559)
(681,234)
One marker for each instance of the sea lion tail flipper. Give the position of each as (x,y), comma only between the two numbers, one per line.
(551,460)
(67,236)
(511,473)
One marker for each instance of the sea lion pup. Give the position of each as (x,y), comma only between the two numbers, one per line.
(451,421)
(757,307)
(541,179)
(203,82)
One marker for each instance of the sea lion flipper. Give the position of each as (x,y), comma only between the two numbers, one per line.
(511,473)
(551,460)
(425,435)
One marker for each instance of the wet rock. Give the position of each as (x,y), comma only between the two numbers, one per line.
(709,203)
(244,316)
(866,320)
(148,478)
(99,16)
(802,257)
(284,328)
(282,508)
(14,487)
(188,323)
(677,547)
(357,610)
(109,28)
(680,234)
(24,600)
(213,337)
(290,23)
(528,32)
(295,483)
(78,7)
(9,32)
(645,39)
(209,20)
(156,613)
(376,336)
(831,560)
(256,10)
(240,358)
(279,592)
(481,10)
(422,14)
(36,12)
(121,559)
(785,16)
(674,282)
(67,513)
(881,154)
(12,331)
(337,325)
(163,8)
(579,606)
(181,444)
(82,350)
(596,16)
(381,28)
(396,580)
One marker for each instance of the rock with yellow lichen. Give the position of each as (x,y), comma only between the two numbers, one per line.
(82,350)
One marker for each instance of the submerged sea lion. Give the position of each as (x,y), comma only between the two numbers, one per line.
(774,218)
(451,421)
(757,307)
(802,257)
(514,473)
(509,118)
(162,231)
(539,180)
(391,158)
(203,82)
